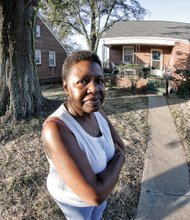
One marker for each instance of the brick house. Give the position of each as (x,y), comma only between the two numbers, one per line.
(49,53)
(155,44)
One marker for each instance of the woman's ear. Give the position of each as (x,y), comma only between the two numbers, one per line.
(65,86)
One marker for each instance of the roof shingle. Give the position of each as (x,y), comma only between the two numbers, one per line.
(165,29)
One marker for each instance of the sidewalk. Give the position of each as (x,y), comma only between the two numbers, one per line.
(165,190)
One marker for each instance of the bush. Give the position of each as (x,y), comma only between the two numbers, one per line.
(140,69)
(184,88)
(156,84)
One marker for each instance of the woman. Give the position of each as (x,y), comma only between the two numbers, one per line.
(84,151)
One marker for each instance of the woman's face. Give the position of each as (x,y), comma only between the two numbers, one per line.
(85,87)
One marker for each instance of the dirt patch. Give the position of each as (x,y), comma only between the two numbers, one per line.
(180,110)
(24,166)
(129,116)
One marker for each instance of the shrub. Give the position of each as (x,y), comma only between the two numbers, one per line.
(184,87)
(139,69)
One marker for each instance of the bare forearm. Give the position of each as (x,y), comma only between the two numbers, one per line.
(109,177)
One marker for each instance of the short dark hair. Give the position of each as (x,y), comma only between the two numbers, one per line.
(76,57)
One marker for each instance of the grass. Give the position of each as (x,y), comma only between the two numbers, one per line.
(24,166)
(180,110)
(129,116)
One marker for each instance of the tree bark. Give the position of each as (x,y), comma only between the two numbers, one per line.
(93,31)
(20,94)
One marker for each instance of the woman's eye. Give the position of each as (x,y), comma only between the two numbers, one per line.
(83,81)
(100,81)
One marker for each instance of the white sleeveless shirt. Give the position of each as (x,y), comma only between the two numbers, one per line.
(99,150)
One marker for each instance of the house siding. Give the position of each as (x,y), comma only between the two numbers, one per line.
(173,46)
(177,57)
(48,42)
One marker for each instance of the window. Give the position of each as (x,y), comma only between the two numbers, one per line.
(52,61)
(156,59)
(37,30)
(128,54)
(38,57)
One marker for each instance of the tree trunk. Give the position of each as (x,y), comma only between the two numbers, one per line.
(93,26)
(20,94)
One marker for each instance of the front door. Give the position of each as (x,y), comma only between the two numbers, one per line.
(156,62)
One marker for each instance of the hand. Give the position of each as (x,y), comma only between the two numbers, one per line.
(119,149)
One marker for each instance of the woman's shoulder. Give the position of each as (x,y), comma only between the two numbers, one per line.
(56,117)
(55,131)
(54,124)
(54,121)
(59,111)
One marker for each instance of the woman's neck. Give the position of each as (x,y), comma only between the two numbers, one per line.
(75,112)
(87,120)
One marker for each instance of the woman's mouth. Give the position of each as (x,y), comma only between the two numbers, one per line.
(93,102)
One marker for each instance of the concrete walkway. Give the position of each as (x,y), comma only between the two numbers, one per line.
(165,190)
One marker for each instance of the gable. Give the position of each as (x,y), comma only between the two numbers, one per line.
(47,36)
(50,53)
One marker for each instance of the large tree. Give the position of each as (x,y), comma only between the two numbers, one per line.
(20,94)
(90,18)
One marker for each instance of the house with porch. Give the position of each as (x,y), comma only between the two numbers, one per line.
(49,53)
(159,45)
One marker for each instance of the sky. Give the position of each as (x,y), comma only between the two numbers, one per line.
(169,10)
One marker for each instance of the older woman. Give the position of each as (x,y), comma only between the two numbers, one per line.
(84,151)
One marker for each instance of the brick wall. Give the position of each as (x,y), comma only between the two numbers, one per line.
(182,56)
(47,42)
(116,55)
(173,57)
(142,54)
(124,81)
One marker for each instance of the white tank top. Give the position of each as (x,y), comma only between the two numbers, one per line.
(99,150)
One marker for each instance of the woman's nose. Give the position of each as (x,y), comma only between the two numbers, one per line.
(92,87)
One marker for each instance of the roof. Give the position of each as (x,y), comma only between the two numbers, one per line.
(163,29)
(49,28)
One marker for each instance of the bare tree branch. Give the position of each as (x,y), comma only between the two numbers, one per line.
(92,18)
